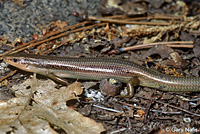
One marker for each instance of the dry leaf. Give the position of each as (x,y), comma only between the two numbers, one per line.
(55,98)
(10,110)
(69,120)
(17,116)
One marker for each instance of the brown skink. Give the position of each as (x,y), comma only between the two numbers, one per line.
(102,68)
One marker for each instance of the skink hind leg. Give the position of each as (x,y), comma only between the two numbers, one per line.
(134,81)
(57,79)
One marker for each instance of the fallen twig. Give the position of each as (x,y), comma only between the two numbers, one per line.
(43,39)
(110,20)
(136,47)
(11,73)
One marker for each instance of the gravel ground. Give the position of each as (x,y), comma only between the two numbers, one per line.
(24,21)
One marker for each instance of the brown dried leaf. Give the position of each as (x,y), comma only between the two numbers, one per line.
(162,50)
(197,48)
(10,110)
(156,3)
(15,127)
(186,37)
(33,124)
(88,85)
(176,60)
(17,113)
(123,7)
(50,96)
(134,8)
(69,120)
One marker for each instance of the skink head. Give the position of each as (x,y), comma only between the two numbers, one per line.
(17,61)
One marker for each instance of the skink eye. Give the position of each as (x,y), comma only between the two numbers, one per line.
(14,60)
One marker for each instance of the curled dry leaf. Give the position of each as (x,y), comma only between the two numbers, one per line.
(18,114)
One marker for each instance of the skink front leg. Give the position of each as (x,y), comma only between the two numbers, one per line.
(57,79)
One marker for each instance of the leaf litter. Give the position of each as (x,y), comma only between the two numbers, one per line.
(149,110)
(38,106)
